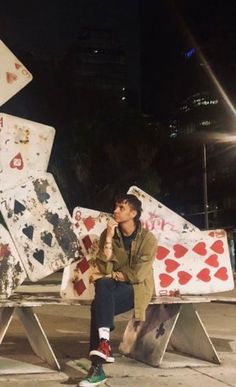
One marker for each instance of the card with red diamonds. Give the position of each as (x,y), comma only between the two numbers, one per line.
(12,272)
(40,225)
(88,226)
(196,263)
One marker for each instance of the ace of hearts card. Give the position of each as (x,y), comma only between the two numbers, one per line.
(40,225)
(13,74)
(158,218)
(197,263)
(88,226)
(25,147)
(12,272)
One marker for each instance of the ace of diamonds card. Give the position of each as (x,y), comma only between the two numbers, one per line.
(88,226)
(13,74)
(25,147)
(197,263)
(12,272)
(40,225)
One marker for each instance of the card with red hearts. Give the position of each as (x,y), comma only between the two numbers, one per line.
(88,226)
(158,218)
(12,272)
(196,263)
(25,147)
(13,74)
(40,225)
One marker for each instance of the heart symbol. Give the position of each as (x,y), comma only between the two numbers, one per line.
(211,234)
(179,250)
(171,265)
(39,256)
(200,248)
(222,274)
(11,77)
(28,231)
(17,162)
(212,260)
(166,280)
(218,247)
(204,275)
(162,252)
(184,277)
(17,66)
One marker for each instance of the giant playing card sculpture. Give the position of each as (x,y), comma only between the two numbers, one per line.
(188,261)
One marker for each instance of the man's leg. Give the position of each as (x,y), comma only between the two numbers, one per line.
(111,298)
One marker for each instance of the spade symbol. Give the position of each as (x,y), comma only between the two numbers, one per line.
(18,208)
(47,238)
(43,197)
(28,231)
(54,219)
(39,256)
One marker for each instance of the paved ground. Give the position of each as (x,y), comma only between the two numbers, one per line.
(67,328)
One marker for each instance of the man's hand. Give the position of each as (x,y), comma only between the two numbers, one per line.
(111,225)
(118,276)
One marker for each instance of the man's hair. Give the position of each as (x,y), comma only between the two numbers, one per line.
(133,202)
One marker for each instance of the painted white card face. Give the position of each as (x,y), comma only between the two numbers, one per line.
(88,226)
(13,74)
(158,218)
(12,272)
(25,146)
(196,263)
(40,225)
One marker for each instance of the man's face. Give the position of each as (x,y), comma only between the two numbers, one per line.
(123,212)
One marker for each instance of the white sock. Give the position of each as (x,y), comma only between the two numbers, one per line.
(104,333)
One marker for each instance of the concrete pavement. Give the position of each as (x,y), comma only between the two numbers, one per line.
(67,328)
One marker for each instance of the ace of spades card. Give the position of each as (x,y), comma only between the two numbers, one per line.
(13,74)
(196,263)
(158,218)
(88,226)
(40,225)
(12,272)
(25,147)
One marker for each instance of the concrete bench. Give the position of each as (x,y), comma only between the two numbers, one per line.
(172,324)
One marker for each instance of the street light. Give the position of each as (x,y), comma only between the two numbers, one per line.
(217,138)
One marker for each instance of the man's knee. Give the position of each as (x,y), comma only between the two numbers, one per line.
(104,284)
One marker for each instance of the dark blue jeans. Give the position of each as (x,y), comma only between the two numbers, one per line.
(111,298)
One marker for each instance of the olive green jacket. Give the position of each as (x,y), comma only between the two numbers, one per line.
(137,268)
